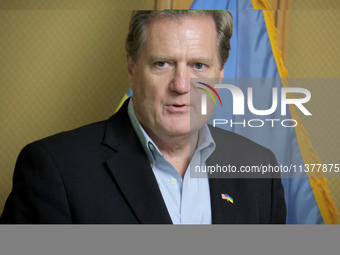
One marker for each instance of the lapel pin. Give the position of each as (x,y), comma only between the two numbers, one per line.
(227,197)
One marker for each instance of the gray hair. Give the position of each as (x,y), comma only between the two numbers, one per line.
(140,21)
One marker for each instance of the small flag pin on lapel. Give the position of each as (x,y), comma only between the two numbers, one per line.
(227,197)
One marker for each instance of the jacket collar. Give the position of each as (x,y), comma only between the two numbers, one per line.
(131,170)
(222,211)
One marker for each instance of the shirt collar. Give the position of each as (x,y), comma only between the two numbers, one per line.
(148,145)
(206,143)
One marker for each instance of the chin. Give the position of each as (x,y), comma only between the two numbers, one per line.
(179,131)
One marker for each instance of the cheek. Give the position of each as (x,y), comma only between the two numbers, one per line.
(154,90)
(147,98)
(196,101)
(210,106)
(149,90)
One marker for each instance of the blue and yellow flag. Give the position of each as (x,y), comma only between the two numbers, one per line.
(255,54)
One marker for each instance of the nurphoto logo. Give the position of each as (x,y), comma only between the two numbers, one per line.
(239,104)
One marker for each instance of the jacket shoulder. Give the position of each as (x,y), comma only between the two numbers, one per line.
(91,133)
(242,153)
(224,138)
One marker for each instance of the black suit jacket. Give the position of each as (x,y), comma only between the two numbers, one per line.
(99,173)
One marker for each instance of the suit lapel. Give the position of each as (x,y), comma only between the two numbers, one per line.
(222,211)
(131,170)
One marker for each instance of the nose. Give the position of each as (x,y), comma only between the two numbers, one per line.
(181,80)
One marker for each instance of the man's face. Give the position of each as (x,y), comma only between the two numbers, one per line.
(163,96)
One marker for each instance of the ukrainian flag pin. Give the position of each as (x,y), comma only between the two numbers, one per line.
(227,197)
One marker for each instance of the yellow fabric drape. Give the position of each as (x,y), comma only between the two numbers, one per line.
(309,155)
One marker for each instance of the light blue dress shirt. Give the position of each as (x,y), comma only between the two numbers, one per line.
(187,199)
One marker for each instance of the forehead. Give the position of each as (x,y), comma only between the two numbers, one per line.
(189,33)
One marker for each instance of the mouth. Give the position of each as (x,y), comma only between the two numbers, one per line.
(178,108)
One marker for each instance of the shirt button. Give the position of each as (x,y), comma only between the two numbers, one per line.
(173,181)
(151,146)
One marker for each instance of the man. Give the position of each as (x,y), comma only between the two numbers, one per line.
(134,167)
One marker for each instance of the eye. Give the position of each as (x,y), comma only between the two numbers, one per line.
(199,66)
(161,63)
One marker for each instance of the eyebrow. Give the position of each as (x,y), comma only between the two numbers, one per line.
(154,58)
(202,60)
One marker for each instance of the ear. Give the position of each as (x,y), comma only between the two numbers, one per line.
(222,74)
(130,65)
